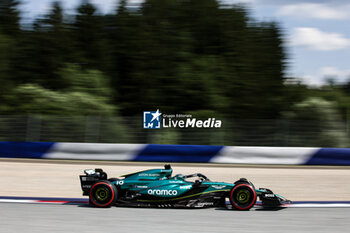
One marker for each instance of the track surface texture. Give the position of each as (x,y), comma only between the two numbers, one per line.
(39,218)
(47,178)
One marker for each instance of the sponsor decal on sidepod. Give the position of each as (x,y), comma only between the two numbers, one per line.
(162,192)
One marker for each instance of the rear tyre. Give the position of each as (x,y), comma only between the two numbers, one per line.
(243,196)
(103,194)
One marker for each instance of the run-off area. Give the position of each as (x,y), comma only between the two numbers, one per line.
(61,179)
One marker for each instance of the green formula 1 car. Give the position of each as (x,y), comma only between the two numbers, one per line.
(158,188)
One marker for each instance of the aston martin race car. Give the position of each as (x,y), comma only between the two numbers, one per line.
(158,188)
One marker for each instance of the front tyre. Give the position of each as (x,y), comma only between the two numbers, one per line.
(103,194)
(242,196)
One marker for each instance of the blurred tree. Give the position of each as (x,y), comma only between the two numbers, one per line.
(43,51)
(89,81)
(34,99)
(337,94)
(177,56)
(160,60)
(316,122)
(88,93)
(9,17)
(9,30)
(203,20)
(5,78)
(52,47)
(88,36)
(256,62)
(166,54)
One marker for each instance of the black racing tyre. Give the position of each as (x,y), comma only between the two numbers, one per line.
(103,194)
(242,196)
(244,181)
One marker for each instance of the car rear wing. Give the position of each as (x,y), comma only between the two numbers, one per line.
(91,177)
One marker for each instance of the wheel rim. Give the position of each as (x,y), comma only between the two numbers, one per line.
(101,194)
(242,196)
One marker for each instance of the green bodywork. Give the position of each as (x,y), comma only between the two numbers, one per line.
(158,188)
(160,183)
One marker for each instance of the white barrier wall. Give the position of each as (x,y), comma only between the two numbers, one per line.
(177,153)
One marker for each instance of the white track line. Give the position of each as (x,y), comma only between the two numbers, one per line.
(18,201)
(319,205)
(296,205)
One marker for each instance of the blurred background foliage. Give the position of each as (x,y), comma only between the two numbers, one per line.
(92,75)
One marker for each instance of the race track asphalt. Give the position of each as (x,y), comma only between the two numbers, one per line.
(16,217)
